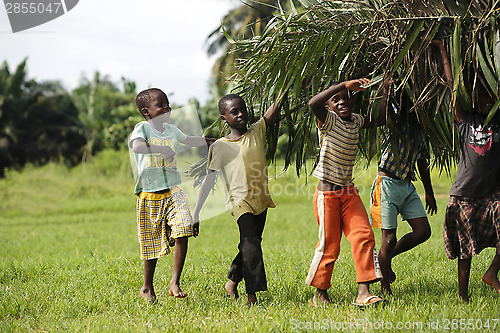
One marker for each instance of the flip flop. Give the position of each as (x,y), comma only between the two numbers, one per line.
(369,301)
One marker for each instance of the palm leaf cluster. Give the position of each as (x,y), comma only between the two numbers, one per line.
(244,21)
(306,50)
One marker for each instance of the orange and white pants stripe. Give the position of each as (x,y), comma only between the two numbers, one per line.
(337,212)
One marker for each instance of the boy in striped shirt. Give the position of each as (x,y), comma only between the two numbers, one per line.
(337,205)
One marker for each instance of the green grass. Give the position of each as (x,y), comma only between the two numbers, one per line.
(70,262)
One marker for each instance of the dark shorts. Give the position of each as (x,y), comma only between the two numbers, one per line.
(471,225)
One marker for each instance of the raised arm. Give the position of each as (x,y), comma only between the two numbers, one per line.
(197,141)
(430,200)
(458,112)
(206,186)
(273,110)
(317,103)
(382,113)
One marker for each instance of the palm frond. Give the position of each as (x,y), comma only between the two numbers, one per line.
(305,51)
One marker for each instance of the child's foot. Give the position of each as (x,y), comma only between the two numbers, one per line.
(369,301)
(232,289)
(385,288)
(148,294)
(320,298)
(252,300)
(175,290)
(492,280)
(365,298)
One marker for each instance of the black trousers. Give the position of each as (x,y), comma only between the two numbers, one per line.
(248,263)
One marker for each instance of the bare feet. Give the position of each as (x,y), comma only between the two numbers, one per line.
(252,300)
(175,290)
(385,288)
(320,298)
(148,294)
(492,280)
(393,276)
(232,289)
(385,284)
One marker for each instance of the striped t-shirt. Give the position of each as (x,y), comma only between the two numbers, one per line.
(338,140)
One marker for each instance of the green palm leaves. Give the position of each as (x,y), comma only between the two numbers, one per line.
(305,51)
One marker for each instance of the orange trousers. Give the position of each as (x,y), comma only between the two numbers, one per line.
(337,212)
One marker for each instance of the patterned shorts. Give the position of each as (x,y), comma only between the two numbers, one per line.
(471,225)
(162,217)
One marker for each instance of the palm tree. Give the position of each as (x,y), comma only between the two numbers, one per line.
(243,22)
(101,104)
(11,89)
(38,121)
(305,51)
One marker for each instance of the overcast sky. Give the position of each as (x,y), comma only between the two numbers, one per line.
(156,43)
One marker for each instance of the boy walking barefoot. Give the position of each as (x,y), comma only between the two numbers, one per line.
(240,159)
(163,217)
(472,219)
(337,205)
(393,193)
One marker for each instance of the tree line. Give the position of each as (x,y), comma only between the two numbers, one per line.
(42,121)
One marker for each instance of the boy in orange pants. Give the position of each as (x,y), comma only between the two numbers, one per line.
(337,205)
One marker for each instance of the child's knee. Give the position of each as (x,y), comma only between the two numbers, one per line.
(423,233)
(251,243)
(426,233)
(389,238)
(389,241)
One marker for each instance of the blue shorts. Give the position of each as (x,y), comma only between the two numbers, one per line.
(390,197)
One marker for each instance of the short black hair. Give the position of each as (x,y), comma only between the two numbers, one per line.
(227,98)
(144,97)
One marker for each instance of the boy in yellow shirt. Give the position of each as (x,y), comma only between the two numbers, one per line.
(241,161)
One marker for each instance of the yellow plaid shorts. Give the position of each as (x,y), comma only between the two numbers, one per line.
(162,217)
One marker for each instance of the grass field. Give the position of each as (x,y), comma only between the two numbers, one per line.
(69,261)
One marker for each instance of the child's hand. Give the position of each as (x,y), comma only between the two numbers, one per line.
(167,153)
(356,84)
(430,204)
(436,42)
(196,226)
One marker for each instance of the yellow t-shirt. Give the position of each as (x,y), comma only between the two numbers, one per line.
(243,168)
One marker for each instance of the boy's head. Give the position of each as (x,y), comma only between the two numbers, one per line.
(341,104)
(153,103)
(233,111)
